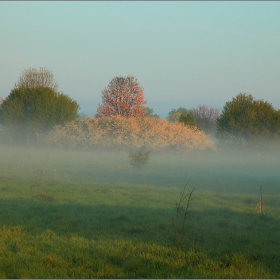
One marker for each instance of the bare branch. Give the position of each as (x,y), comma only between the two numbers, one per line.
(33,78)
(206,117)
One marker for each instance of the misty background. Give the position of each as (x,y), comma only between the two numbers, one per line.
(182,53)
(85,197)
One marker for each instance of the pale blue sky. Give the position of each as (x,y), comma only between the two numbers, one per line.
(182,53)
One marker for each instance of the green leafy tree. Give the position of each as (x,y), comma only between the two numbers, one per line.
(150,113)
(174,114)
(187,119)
(31,110)
(247,120)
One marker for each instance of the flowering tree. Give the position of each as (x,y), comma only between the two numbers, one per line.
(123,96)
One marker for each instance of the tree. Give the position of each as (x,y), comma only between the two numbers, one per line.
(31,110)
(206,117)
(187,119)
(33,78)
(246,120)
(123,96)
(150,113)
(139,158)
(174,114)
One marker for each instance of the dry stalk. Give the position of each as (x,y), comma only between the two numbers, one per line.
(5,166)
(181,211)
(67,177)
(54,174)
(259,207)
(42,174)
(30,164)
(199,237)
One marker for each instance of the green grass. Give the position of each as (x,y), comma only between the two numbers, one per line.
(70,214)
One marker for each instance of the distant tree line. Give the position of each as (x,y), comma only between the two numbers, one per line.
(244,120)
(204,117)
(35,106)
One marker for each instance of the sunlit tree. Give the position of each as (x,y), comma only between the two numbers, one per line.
(247,120)
(123,96)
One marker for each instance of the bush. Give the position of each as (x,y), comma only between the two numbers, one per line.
(139,158)
(117,131)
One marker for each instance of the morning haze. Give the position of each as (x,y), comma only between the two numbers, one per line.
(139,140)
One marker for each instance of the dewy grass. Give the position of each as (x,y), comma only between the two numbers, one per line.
(96,225)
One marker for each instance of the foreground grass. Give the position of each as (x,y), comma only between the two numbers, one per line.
(48,255)
(93,218)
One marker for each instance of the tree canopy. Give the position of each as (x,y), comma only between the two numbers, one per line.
(32,108)
(123,96)
(206,117)
(247,120)
(187,119)
(150,113)
(33,78)
(174,114)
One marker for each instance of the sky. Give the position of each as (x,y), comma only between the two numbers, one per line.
(183,54)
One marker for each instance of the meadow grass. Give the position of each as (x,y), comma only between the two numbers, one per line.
(73,214)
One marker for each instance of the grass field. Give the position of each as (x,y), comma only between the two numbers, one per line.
(70,214)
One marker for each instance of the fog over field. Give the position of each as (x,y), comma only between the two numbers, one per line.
(232,168)
(139,140)
(75,205)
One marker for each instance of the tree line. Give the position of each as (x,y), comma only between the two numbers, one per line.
(35,106)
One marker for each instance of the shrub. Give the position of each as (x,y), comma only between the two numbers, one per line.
(139,158)
(117,131)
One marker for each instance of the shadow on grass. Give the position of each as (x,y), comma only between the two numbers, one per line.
(218,232)
(93,222)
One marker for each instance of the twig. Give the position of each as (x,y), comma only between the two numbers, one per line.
(179,231)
